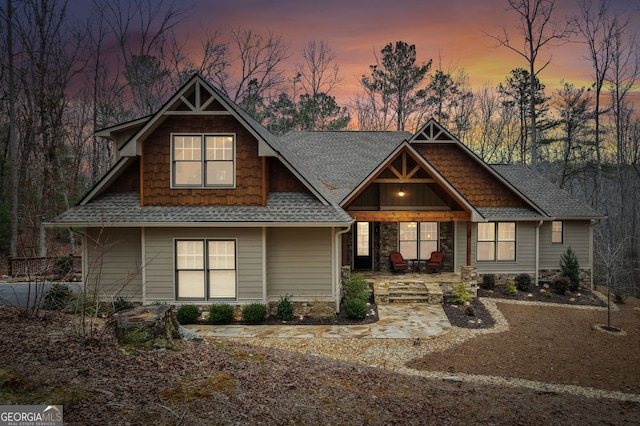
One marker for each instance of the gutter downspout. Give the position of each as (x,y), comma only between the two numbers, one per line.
(338,266)
(537,277)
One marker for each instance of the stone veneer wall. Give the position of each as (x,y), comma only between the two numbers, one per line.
(446,245)
(545,275)
(388,243)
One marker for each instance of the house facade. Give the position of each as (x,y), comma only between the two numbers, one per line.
(204,205)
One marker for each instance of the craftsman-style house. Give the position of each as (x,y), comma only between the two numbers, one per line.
(205,205)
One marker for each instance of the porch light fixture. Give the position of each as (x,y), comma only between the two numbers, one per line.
(401,193)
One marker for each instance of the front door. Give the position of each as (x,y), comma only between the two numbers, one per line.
(362,246)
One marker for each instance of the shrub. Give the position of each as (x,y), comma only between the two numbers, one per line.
(357,287)
(121,303)
(188,314)
(489,281)
(58,297)
(63,266)
(570,268)
(254,313)
(560,284)
(523,282)
(221,314)
(284,309)
(355,308)
(460,295)
(510,289)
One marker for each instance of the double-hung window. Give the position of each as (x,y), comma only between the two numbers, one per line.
(417,240)
(496,242)
(556,232)
(203,161)
(205,269)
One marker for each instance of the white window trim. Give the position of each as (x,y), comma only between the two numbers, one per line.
(205,269)
(561,232)
(203,161)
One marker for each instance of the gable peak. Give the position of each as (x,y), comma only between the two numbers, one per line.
(432,131)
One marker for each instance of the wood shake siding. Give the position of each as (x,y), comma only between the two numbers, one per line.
(113,267)
(299,262)
(472,180)
(160,272)
(575,235)
(281,179)
(156,165)
(128,181)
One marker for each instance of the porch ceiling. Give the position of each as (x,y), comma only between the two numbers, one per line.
(411,216)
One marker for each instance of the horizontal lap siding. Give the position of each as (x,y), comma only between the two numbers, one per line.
(525,252)
(160,272)
(576,235)
(114,265)
(460,245)
(299,262)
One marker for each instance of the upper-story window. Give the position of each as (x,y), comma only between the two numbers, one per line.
(203,161)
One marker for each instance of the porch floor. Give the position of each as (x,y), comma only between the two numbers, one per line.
(410,287)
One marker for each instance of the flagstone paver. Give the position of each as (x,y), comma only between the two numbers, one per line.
(401,321)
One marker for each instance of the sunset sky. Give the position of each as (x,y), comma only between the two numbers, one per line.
(452,30)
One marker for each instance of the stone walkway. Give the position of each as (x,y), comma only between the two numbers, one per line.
(399,321)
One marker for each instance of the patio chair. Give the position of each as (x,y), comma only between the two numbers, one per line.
(398,264)
(434,263)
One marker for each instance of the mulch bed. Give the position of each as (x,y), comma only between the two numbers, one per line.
(583,297)
(460,316)
(474,315)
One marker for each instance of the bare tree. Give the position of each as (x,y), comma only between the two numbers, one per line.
(140,46)
(539,30)
(599,28)
(259,58)
(318,72)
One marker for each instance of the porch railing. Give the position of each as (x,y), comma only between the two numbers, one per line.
(33,266)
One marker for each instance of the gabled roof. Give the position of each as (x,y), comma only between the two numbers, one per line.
(341,160)
(555,202)
(269,144)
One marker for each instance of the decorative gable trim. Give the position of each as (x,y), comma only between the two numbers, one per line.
(405,176)
(432,131)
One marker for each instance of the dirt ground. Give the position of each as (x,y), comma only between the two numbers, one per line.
(553,345)
(220,382)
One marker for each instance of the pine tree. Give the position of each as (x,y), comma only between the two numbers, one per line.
(570,268)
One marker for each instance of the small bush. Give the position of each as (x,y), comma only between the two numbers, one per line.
(121,303)
(355,308)
(63,266)
(188,314)
(254,313)
(58,297)
(284,309)
(221,314)
(523,282)
(460,295)
(489,281)
(357,287)
(570,268)
(510,289)
(560,284)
